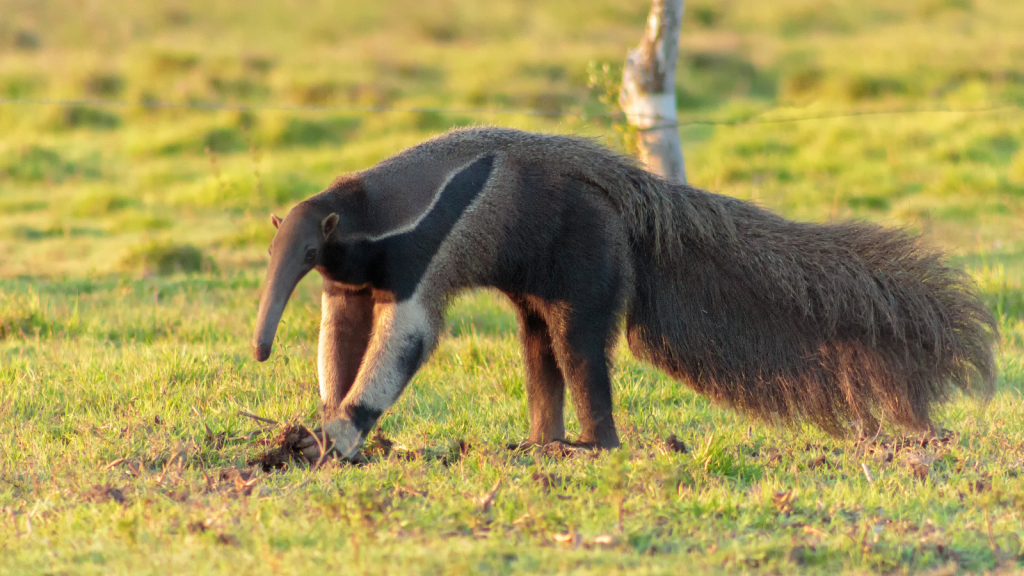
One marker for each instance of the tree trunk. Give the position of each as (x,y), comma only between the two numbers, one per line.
(648,95)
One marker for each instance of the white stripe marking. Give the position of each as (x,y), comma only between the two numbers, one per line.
(433,202)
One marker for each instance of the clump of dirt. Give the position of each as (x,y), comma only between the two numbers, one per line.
(103,493)
(378,446)
(284,449)
(676,445)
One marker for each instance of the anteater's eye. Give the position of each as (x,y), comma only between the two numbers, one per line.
(311,256)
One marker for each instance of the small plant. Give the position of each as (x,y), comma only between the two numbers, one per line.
(605,81)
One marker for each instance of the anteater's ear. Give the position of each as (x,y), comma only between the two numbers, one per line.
(275,220)
(328,224)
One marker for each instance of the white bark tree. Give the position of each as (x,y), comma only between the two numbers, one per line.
(648,95)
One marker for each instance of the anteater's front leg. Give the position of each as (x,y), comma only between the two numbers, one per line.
(404,334)
(345,327)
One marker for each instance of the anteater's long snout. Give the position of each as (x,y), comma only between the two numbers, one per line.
(277,290)
(271,308)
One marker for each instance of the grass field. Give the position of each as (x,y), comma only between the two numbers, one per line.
(133,240)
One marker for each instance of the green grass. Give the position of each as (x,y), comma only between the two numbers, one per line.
(132,242)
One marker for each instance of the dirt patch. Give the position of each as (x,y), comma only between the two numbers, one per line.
(284,451)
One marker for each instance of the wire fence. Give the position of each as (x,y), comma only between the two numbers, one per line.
(757,118)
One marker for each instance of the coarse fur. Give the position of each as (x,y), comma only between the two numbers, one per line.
(783,320)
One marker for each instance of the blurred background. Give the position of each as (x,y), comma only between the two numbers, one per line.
(778,102)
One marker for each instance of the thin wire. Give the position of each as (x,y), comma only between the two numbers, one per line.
(757,119)
(280,107)
(851,114)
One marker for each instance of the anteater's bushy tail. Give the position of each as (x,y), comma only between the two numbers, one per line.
(788,320)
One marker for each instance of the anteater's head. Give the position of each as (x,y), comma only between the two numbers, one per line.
(296,249)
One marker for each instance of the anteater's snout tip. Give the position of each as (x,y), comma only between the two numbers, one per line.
(261,351)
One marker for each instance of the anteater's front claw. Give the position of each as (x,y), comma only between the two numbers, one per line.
(338,437)
(315,446)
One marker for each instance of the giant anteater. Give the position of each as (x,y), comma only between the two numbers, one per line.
(829,323)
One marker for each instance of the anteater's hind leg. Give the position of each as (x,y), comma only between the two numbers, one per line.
(545,386)
(580,337)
